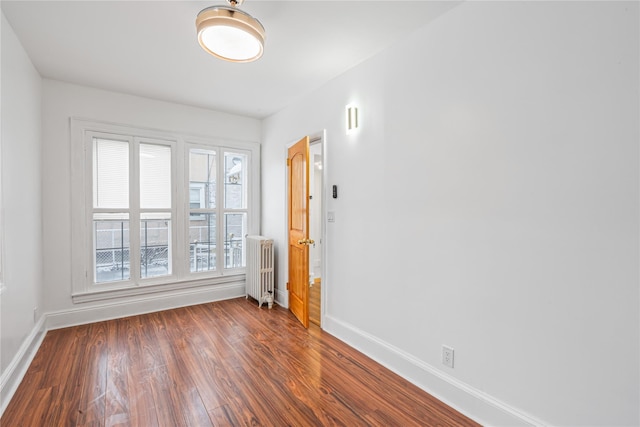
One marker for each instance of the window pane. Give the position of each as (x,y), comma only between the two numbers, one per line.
(110,174)
(111,240)
(196,196)
(202,179)
(155,245)
(155,176)
(202,241)
(235,191)
(235,225)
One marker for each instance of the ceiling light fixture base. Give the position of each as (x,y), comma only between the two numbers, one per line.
(229,33)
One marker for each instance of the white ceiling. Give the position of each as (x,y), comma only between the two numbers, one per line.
(149,48)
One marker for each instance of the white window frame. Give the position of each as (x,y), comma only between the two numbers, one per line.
(202,145)
(89,261)
(1,227)
(223,209)
(82,257)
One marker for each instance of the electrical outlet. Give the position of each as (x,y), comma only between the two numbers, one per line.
(35,314)
(447,356)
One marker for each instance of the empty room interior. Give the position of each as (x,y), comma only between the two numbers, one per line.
(388,212)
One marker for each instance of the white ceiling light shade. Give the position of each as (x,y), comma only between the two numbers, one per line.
(229,33)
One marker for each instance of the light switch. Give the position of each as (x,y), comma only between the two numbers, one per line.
(331,216)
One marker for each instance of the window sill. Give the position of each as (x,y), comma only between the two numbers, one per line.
(106,294)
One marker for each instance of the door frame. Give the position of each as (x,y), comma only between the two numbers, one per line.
(319,137)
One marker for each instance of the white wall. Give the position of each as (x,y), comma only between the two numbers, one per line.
(21,180)
(36,181)
(489,203)
(62,101)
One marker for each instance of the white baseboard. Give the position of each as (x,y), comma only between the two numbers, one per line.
(467,400)
(282,297)
(14,373)
(12,376)
(143,304)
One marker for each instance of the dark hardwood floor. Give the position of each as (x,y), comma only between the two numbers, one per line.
(226,363)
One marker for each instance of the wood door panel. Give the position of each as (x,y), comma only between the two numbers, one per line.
(299,205)
(297,283)
(298,213)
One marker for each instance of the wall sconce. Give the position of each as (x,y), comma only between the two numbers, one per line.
(353,121)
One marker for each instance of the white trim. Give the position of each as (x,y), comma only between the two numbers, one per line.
(1,224)
(80,252)
(462,397)
(145,304)
(282,297)
(105,294)
(283,294)
(12,376)
(323,227)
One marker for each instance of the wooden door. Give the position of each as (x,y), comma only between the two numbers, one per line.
(298,210)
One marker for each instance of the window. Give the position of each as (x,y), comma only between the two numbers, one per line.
(211,174)
(155,210)
(235,208)
(110,196)
(144,221)
(202,210)
(131,189)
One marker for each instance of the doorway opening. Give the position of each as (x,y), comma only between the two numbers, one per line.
(306,174)
(316,165)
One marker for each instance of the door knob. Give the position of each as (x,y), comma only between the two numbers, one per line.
(306,242)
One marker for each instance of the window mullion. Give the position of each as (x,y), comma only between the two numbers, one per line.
(220,238)
(180,234)
(90,270)
(185,248)
(134,209)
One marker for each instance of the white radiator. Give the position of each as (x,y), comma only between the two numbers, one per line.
(260,269)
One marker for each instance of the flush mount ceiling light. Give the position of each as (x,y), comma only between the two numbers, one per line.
(229,33)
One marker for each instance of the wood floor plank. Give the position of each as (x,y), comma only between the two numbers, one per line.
(117,410)
(315,295)
(210,373)
(231,379)
(142,407)
(65,373)
(173,345)
(222,416)
(227,363)
(45,398)
(48,378)
(278,372)
(92,403)
(157,374)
